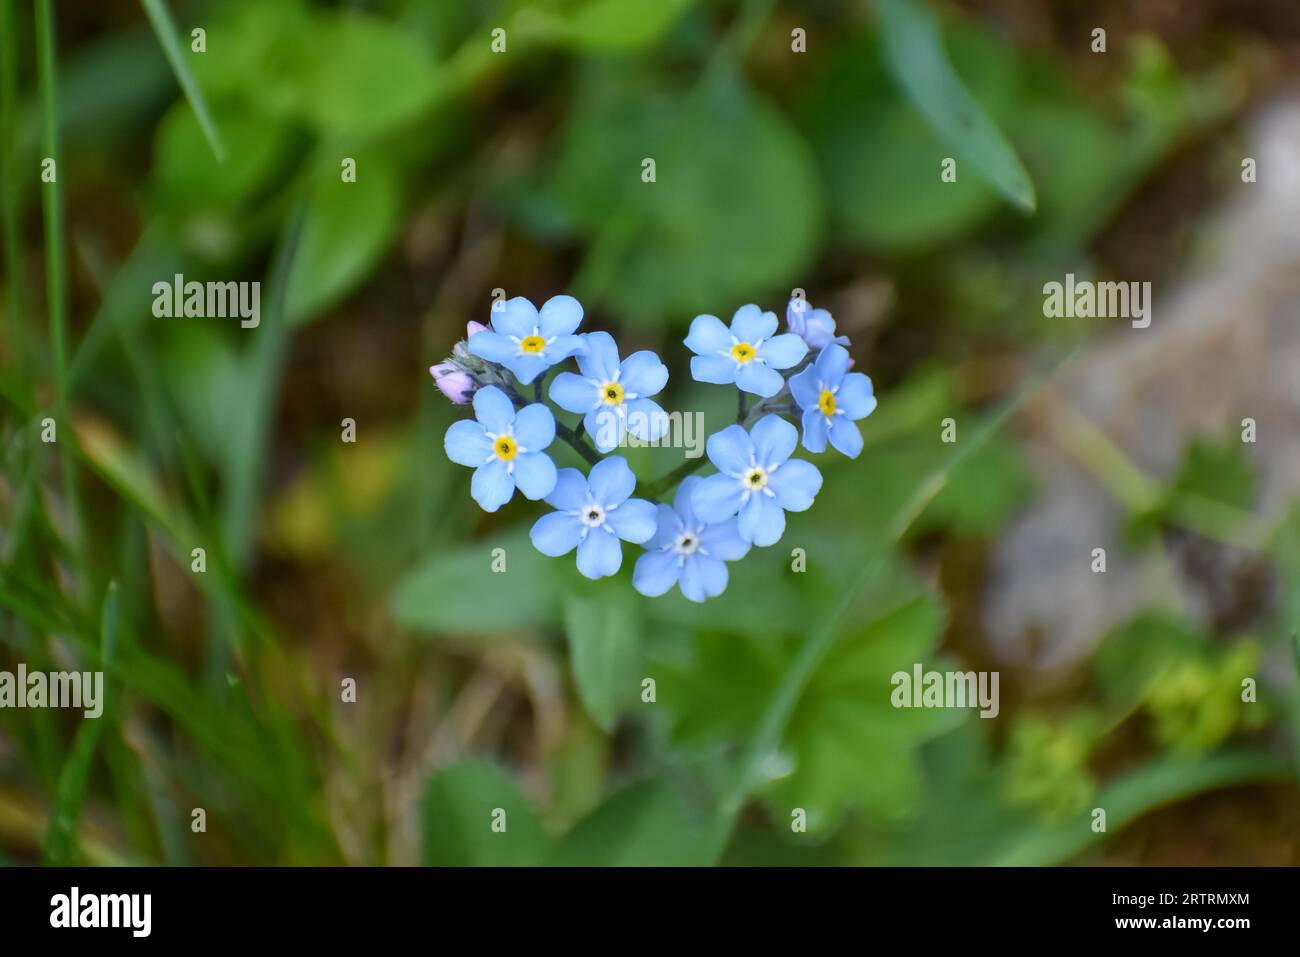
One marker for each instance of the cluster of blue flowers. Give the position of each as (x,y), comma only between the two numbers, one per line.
(803,372)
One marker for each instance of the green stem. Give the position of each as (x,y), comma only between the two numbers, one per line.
(10,180)
(741,410)
(55,266)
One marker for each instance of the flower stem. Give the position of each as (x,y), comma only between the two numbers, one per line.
(659,487)
(579,446)
(741,411)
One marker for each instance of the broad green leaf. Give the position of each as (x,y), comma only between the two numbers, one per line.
(188,177)
(604,645)
(914,51)
(648,824)
(732,214)
(347,228)
(457,812)
(615,25)
(456,591)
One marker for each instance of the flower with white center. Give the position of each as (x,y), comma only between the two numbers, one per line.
(757,480)
(504,448)
(592,514)
(613,395)
(526,341)
(832,398)
(686,552)
(749,353)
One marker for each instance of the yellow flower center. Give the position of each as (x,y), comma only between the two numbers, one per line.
(505,448)
(826,403)
(611,393)
(742,352)
(532,344)
(755,478)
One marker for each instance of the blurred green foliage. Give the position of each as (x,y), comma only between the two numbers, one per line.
(525,691)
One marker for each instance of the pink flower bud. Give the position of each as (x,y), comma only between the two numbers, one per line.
(472,328)
(456,384)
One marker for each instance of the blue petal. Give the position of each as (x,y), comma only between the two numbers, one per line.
(599,358)
(814,430)
(708,336)
(656,572)
(855,396)
(717,370)
(570,492)
(667,527)
(492,346)
(703,578)
(493,408)
(606,427)
(492,485)
(556,534)
(534,427)
(560,315)
(526,367)
(611,481)
(774,439)
(783,351)
(466,444)
(535,474)
(761,520)
(751,324)
(805,389)
(599,554)
(845,436)
(796,314)
(731,450)
(754,376)
(646,419)
(634,521)
(832,363)
(573,393)
(562,348)
(643,373)
(796,484)
(723,541)
(517,317)
(682,500)
(716,498)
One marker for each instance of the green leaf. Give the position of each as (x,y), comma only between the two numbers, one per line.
(456,591)
(914,51)
(648,824)
(617,25)
(734,211)
(457,813)
(347,228)
(604,646)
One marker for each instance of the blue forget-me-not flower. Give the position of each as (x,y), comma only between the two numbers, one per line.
(757,480)
(748,354)
(612,395)
(592,514)
(832,398)
(504,448)
(528,342)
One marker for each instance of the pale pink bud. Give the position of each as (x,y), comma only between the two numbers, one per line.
(456,384)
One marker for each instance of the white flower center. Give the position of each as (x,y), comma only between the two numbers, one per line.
(591,515)
(687,542)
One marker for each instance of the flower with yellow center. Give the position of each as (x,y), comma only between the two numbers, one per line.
(611,393)
(743,352)
(505,447)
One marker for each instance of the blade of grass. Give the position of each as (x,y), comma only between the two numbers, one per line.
(776,714)
(61,839)
(55,244)
(168,37)
(10,193)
